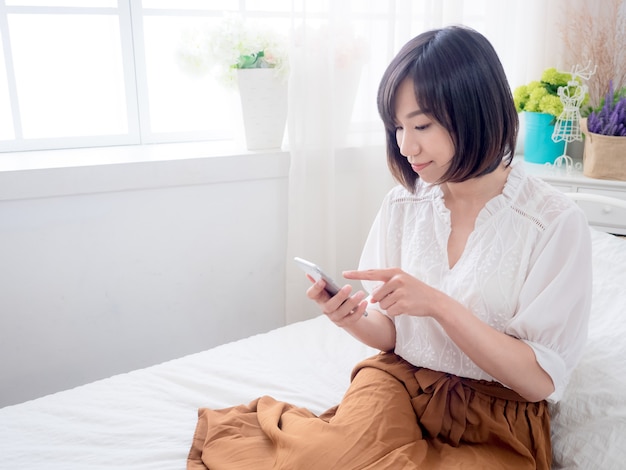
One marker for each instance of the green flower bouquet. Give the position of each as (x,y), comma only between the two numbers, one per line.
(542,96)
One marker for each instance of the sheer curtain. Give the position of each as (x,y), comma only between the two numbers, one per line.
(338,170)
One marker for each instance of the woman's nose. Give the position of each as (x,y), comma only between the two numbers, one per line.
(408,145)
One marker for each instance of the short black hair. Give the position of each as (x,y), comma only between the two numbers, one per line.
(459,81)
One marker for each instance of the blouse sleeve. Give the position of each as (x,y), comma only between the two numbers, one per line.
(555,300)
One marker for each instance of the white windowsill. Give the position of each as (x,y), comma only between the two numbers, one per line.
(90,156)
(104,169)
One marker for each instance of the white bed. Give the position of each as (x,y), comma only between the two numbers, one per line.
(146,418)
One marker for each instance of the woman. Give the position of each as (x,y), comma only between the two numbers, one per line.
(480,284)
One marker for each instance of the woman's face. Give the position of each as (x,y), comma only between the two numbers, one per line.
(422,140)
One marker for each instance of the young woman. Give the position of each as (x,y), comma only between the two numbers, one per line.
(479,282)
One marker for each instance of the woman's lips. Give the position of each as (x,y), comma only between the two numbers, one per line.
(417,167)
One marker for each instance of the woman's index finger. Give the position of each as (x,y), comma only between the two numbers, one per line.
(370,274)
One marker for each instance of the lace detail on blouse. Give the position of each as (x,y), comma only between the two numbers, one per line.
(534,220)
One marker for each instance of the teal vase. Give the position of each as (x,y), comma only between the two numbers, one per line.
(538,144)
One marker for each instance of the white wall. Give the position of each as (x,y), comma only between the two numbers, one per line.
(108,268)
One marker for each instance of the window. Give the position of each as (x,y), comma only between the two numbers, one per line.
(67,75)
(76,73)
(104,72)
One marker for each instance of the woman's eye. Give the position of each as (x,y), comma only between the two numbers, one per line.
(417,128)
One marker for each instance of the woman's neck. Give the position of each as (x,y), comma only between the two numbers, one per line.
(476,191)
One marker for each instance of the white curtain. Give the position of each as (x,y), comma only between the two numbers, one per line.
(338,166)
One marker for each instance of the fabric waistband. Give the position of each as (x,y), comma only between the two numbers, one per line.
(428,377)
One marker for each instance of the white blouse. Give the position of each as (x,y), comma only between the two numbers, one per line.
(525,270)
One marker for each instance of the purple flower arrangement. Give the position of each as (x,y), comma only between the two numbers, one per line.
(610,119)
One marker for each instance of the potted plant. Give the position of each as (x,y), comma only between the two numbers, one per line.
(541,105)
(605,138)
(253,60)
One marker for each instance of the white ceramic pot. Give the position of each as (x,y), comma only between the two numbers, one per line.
(264,107)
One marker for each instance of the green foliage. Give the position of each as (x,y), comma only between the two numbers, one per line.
(250,61)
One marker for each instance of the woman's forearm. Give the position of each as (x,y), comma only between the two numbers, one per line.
(375,330)
(507,359)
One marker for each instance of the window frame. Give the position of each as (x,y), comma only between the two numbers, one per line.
(129,66)
(130,14)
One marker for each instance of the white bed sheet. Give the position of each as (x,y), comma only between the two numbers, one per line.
(146,418)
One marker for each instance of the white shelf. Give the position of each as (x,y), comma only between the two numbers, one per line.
(606,218)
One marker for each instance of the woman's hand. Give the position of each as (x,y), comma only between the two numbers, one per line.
(348,311)
(400,293)
(343,309)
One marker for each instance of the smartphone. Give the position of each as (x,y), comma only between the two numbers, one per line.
(317,273)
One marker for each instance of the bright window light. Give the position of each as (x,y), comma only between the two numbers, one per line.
(64,3)
(69,76)
(180,102)
(216,5)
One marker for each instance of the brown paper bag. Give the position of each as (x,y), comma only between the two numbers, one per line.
(604,156)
